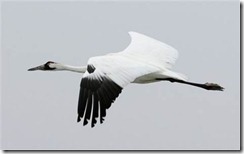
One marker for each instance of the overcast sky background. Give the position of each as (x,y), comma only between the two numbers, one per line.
(39,109)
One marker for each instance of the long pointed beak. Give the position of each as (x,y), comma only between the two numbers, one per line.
(41,67)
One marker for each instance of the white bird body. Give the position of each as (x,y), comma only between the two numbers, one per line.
(145,60)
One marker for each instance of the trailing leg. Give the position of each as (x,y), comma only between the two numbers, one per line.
(207,86)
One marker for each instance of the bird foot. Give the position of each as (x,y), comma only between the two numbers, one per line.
(213,86)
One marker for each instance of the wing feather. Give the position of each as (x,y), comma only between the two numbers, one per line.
(88,108)
(95,109)
(107,75)
(96,92)
(150,50)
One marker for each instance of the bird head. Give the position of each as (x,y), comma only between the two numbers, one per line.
(48,66)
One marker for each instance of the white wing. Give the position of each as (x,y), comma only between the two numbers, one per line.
(120,69)
(106,76)
(151,51)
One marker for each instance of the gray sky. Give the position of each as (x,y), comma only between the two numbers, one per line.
(39,109)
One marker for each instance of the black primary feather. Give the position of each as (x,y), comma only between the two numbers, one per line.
(96,95)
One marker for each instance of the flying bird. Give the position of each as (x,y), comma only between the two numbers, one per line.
(145,60)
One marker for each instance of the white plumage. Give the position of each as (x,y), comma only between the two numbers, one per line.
(150,51)
(145,60)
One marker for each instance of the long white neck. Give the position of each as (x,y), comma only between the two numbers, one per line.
(62,67)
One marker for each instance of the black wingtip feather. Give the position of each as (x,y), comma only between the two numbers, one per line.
(89,106)
(85,122)
(78,119)
(101,120)
(92,125)
(97,92)
(82,98)
(95,109)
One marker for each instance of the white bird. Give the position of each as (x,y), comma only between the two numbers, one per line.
(145,60)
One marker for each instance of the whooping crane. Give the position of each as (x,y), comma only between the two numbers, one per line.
(145,60)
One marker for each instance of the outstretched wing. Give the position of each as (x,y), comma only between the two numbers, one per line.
(151,51)
(97,93)
(107,75)
(103,82)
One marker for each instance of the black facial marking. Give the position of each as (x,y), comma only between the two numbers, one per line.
(46,66)
(91,68)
